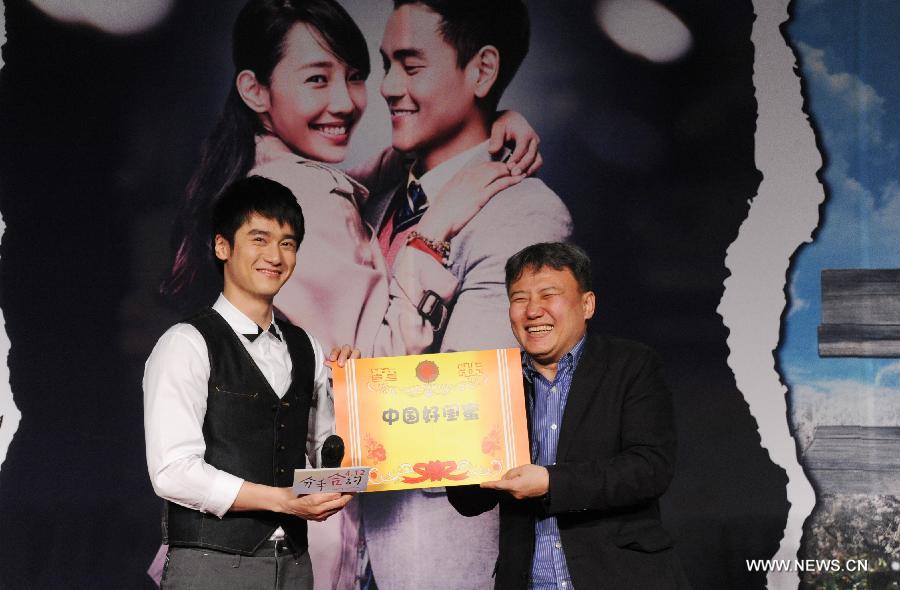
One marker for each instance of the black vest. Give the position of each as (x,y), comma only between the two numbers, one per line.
(250,433)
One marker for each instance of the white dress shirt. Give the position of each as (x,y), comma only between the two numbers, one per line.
(176,381)
(435,179)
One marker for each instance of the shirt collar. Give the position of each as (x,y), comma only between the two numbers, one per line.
(434,180)
(236,319)
(570,359)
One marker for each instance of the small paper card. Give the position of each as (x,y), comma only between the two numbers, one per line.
(337,479)
(432,420)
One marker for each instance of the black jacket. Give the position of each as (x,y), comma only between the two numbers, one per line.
(615,458)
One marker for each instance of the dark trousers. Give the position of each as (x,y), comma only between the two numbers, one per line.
(270,568)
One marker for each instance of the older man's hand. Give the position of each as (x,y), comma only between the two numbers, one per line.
(524,481)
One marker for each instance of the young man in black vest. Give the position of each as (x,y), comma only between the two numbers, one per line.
(227,411)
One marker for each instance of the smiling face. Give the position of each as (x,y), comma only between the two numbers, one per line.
(432,100)
(313,100)
(548,313)
(259,262)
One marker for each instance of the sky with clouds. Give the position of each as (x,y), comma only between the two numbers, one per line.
(848,55)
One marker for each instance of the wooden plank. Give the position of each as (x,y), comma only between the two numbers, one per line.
(854,453)
(856,482)
(862,280)
(861,296)
(863,308)
(859,340)
(864,432)
(855,459)
(860,312)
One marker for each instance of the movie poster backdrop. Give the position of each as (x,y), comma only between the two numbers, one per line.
(731,168)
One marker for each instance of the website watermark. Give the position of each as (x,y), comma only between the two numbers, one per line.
(807,565)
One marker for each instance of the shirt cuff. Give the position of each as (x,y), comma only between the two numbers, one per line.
(224,492)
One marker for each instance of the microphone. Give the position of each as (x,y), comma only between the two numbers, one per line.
(332,451)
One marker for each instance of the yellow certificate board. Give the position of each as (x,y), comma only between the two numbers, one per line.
(432,420)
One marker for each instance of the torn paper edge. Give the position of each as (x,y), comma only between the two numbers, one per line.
(9,413)
(782,217)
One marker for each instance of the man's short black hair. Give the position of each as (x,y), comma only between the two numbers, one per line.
(556,255)
(469,25)
(259,195)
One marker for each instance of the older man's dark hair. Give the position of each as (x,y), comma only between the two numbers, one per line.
(555,255)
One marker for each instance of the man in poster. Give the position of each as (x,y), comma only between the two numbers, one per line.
(447,64)
(584,513)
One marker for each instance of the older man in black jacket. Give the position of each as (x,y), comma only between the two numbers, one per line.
(584,514)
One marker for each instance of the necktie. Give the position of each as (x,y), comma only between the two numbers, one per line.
(412,208)
(271,330)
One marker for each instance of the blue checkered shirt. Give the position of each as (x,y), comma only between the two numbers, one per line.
(548,402)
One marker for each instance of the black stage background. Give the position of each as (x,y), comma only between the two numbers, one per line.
(99,135)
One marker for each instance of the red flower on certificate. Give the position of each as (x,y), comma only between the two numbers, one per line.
(435,471)
(427,371)
(374,449)
(490,444)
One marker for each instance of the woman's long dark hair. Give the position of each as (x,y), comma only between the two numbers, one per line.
(229,152)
